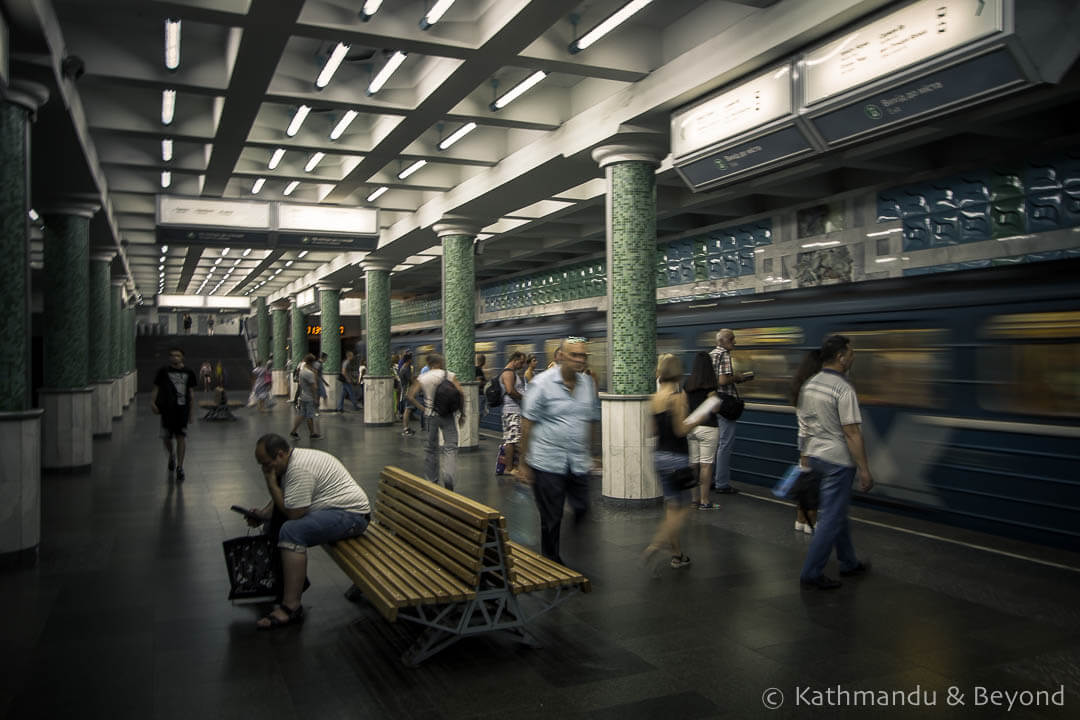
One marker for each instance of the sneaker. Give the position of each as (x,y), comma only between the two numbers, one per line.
(708,506)
(727,490)
(678,561)
(860,569)
(172,462)
(808,528)
(179,474)
(294,435)
(408,432)
(800,526)
(315,436)
(821,583)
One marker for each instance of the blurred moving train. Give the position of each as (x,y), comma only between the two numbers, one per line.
(969,384)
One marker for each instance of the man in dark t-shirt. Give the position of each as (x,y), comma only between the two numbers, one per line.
(172,398)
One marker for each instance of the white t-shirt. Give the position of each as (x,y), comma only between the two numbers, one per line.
(317,480)
(307,384)
(827,402)
(428,382)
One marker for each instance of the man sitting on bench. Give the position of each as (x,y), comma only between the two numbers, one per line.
(322,503)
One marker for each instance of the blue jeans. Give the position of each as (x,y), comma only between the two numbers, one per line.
(321,526)
(346,389)
(832,524)
(725,444)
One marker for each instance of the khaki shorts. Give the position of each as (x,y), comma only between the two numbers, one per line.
(702,441)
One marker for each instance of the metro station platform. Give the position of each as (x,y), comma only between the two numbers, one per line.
(125,614)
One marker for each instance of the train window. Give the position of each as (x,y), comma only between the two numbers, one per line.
(899,367)
(1038,371)
(767,352)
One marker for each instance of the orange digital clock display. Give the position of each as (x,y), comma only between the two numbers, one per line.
(317,330)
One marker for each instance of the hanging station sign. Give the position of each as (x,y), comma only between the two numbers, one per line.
(921,60)
(746,127)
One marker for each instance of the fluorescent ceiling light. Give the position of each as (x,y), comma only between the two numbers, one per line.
(35,217)
(275,159)
(161,259)
(411,169)
(247,251)
(288,263)
(166,178)
(160,267)
(387,70)
(225,251)
(302,253)
(166,150)
(370,8)
(613,21)
(435,14)
(315,160)
(331,66)
(457,135)
(257,186)
(343,124)
(278,271)
(168,106)
(172,43)
(164,249)
(375,195)
(519,90)
(216,262)
(289,188)
(298,120)
(236,262)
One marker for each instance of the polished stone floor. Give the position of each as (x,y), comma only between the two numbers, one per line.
(125,613)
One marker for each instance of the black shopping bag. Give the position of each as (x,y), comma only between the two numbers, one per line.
(254,567)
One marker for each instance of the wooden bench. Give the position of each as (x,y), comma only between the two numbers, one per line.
(443,561)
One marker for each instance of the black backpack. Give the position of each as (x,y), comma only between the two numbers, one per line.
(447,399)
(493,393)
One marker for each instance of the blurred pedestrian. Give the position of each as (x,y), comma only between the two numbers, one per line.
(830,440)
(726,379)
(556,419)
(702,439)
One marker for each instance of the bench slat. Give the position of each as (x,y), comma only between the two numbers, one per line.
(437,580)
(388,561)
(462,535)
(375,594)
(458,505)
(532,566)
(443,553)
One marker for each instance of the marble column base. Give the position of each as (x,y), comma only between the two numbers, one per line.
(103,408)
(20,483)
(67,428)
(379,400)
(469,431)
(627,451)
(134,383)
(279,386)
(118,398)
(332,390)
(125,390)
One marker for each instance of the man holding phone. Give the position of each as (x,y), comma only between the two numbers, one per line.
(322,503)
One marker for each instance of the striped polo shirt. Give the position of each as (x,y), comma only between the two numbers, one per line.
(827,402)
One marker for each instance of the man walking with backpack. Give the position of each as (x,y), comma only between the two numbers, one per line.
(442,406)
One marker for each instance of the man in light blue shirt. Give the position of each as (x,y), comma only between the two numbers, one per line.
(557,409)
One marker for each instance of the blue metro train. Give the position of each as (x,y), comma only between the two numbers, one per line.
(969,384)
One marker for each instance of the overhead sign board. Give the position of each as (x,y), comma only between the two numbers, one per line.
(308,241)
(929,94)
(788,142)
(211,236)
(903,38)
(188,211)
(316,219)
(733,112)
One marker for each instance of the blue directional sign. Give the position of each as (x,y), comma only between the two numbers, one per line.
(784,143)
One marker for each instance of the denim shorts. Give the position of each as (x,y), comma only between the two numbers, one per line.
(666,463)
(306,409)
(321,526)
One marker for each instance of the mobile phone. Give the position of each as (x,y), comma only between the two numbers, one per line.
(247,513)
(748,375)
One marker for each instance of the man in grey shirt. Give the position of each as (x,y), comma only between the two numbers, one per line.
(308,399)
(322,502)
(830,442)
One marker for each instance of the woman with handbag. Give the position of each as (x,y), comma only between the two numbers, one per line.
(671,459)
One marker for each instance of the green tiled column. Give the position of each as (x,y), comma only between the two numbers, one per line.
(20,425)
(379,382)
(298,345)
(631,250)
(330,337)
(116,344)
(458,296)
(262,322)
(66,291)
(66,395)
(280,323)
(459,318)
(100,367)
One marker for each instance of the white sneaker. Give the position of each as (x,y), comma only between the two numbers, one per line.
(808,528)
(800,526)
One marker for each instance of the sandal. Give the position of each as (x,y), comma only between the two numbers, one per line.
(293,617)
(678,561)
